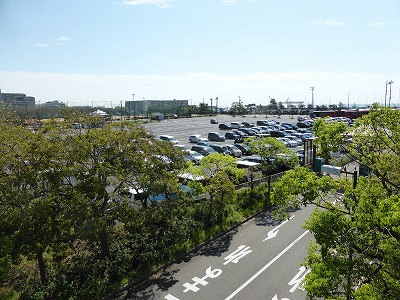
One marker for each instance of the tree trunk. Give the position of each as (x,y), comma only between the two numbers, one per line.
(105,248)
(210,212)
(42,267)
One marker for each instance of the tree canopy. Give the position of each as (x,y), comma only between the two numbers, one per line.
(357,222)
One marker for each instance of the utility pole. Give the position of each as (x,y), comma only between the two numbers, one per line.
(216,104)
(390,90)
(211,100)
(312,96)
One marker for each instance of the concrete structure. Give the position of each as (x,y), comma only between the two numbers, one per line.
(144,107)
(17,100)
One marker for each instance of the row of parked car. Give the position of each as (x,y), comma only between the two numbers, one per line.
(287,133)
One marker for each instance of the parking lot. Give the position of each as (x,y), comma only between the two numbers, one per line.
(181,129)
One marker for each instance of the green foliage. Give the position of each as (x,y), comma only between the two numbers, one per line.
(357,232)
(329,137)
(276,156)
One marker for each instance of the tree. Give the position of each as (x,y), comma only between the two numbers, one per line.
(237,109)
(29,192)
(329,137)
(219,172)
(357,234)
(274,154)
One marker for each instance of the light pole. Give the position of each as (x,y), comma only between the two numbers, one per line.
(348,100)
(133,100)
(312,96)
(390,90)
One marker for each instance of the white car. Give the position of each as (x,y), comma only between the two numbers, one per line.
(194,138)
(169,138)
(296,139)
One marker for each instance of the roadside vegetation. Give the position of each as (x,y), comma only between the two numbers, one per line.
(88,209)
(356,253)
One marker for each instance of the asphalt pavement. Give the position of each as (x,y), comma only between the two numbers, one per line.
(261,259)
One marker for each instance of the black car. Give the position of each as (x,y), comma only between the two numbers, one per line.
(244,148)
(221,149)
(216,137)
(214,121)
(247,124)
(224,126)
(230,135)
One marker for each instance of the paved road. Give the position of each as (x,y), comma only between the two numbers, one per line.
(258,260)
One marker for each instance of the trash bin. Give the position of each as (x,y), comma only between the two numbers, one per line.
(319,161)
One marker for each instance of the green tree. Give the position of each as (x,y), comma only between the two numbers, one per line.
(220,172)
(330,136)
(356,228)
(275,155)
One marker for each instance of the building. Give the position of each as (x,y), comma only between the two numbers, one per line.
(145,107)
(17,100)
(53,104)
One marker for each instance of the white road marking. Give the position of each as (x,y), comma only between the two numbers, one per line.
(272,233)
(266,266)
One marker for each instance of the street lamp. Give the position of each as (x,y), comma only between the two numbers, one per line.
(348,100)
(312,96)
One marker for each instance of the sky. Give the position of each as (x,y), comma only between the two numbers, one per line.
(105,52)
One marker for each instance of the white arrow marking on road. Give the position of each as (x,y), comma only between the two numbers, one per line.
(272,233)
(276,298)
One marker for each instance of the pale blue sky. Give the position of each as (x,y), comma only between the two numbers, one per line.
(79,51)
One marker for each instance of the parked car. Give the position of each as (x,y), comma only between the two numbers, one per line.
(195,138)
(203,150)
(194,157)
(278,133)
(214,121)
(291,126)
(216,137)
(247,124)
(221,149)
(246,150)
(182,147)
(224,126)
(169,138)
(230,135)
(254,158)
(288,142)
(204,142)
(295,139)
(235,151)
(247,131)
(262,123)
(236,125)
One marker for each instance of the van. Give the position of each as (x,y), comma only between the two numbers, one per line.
(236,125)
(216,137)
(203,150)
(221,149)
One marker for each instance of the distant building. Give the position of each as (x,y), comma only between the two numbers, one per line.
(17,100)
(144,107)
(54,104)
